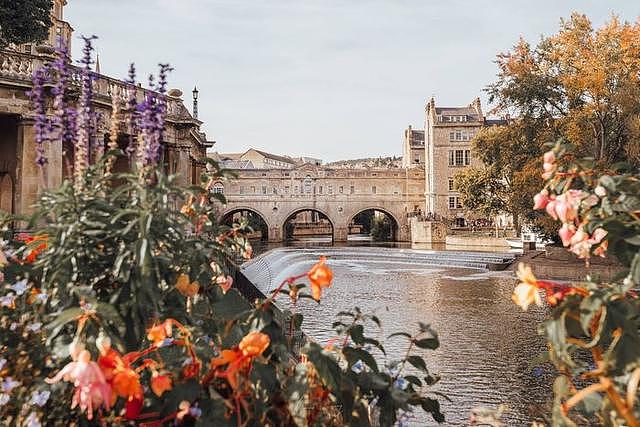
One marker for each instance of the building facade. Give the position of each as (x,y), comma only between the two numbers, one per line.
(183,148)
(413,148)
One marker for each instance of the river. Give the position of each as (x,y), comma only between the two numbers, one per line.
(488,345)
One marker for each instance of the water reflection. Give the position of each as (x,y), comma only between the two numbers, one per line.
(487,344)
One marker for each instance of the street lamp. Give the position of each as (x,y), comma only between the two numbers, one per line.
(195,102)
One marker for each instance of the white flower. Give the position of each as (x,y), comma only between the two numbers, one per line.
(4,399)
(40,398)
(33,421)
(34,327)
(9,384)
(358,367)
(13,326)
(8,300)
(3,362)
(20,287)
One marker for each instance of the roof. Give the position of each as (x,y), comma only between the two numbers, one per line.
(456,111)
(230,156)
(237,164)
(274,156)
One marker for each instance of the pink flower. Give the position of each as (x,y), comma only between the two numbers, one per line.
(541,200)
(549,157)
(580,244)
(566,233)
(225,282)
(598,235)
(566,206)
(91,388)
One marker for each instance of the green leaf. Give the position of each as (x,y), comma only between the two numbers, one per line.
(413,380)
(65,317)
(427,343)
(418,362)
(354,354)
(356,332)
(400,334)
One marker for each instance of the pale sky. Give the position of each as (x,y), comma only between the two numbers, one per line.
(334,79)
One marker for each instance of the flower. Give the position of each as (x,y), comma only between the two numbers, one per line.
(567,205)
(185,288)
(254,344)
(160,383)
(40,398)
(158,333)
(320,277)
(600,191)
(540,200)
(225,282)
(20,287)
(91,388)
(549,157)
(9,384)
(8,301)
(34,327)
(34,248)
(551,207)
(3,259)
(4,399)
(566,233)
(126,382)
(32,420)
(3,363)
(526,292)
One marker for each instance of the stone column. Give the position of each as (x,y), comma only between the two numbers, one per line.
(340,234)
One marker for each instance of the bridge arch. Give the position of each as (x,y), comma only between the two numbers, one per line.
(261,217)
(392,234)
(327,224)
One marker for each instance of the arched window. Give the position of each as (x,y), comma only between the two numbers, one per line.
(218,188)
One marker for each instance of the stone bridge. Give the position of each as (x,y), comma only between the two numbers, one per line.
(278,195)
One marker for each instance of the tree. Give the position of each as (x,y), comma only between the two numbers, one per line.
(580,84)
(24,21)
(507,182)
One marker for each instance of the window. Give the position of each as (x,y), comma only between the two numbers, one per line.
(341,189)
(330,189)
(296,189)
(253,190)
(352,190)
(308,183)
(264,174)
(459,157)
(451,158)
(455,202)
(320,189)
(275,190)
(286,174)
(451,185)
(458,135)
(417,160)
(218,188)
(452,136)
(241,189)
(374,190)
(467,157)
(264,189)
(286,189)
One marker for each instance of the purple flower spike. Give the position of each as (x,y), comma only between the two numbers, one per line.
(42,123)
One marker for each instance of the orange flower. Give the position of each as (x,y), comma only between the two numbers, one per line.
(160,383)
(160,332)
(126,383)
(254,344)
(34,250)
(320,277)
(185,288)
(526,292)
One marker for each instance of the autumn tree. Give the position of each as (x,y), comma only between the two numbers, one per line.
(580,84)
(508,179)
(24,21)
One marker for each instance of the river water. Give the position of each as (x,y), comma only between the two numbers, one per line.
(488,345)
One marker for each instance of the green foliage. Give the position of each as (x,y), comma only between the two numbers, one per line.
(24,21)
(133,261)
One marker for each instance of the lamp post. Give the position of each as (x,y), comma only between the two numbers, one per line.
(195,102)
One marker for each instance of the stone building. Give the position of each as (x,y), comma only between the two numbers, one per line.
(448,135)
(183,147)
(413,148)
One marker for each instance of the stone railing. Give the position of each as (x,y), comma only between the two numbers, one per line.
(19,67)
(16,66)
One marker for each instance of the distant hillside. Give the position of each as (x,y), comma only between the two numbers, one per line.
(370,162)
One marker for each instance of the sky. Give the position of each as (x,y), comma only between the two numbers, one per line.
(332,79)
